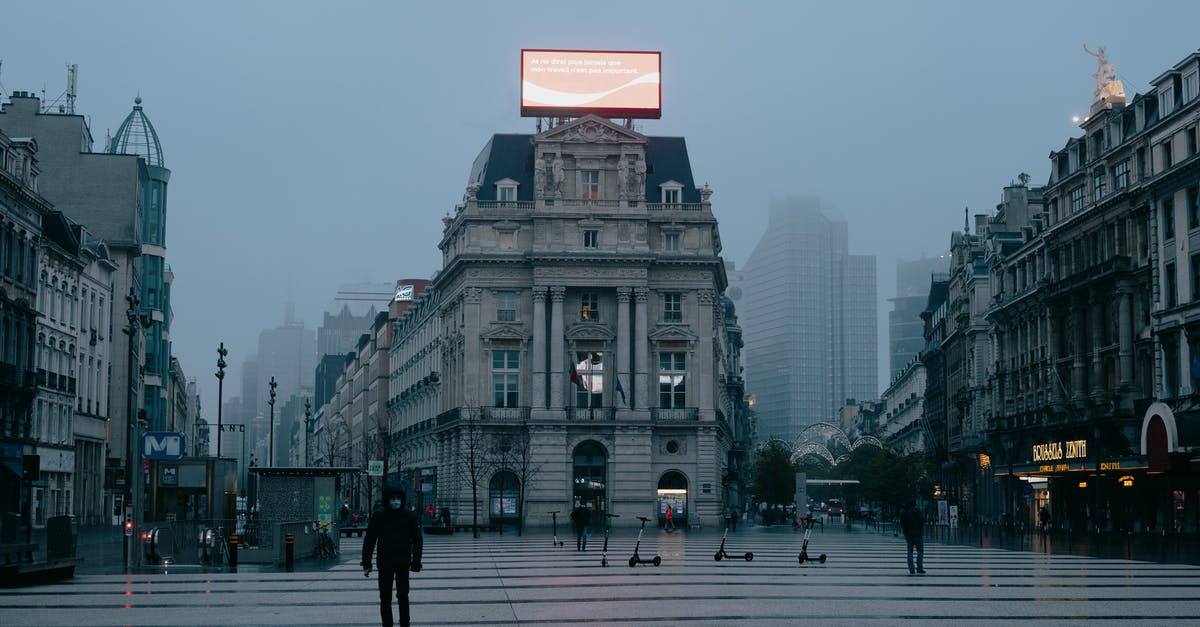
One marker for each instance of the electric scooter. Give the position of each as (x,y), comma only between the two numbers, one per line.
(554,517)
(635,560)
(607,527)
(804,556)
(721,554)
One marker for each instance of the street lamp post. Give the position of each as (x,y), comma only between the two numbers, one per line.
(221,353)
(271,444)
(134,320)
(308,423)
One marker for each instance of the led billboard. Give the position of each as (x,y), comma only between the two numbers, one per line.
(570,83)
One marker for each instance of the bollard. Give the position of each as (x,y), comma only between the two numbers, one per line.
(289,551)
(233,547)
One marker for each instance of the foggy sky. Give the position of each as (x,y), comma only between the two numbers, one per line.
(317,144)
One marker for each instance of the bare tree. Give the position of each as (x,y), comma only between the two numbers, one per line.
(514,452)
(474,464)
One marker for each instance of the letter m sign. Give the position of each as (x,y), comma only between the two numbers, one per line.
(162,445)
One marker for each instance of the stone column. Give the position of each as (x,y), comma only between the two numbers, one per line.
(641,357)
(557,293)
(1077,384)
(1185,365)
(1056,385)
(622,361)
(538,358)
(1125,332)
(1096,309)
(473,395)
(701,369)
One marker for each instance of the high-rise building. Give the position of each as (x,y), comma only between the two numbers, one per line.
(808,314)
(136,136)
(350,314)
(287,354)
(905,328)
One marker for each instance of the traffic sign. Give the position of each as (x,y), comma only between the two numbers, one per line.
(375,468)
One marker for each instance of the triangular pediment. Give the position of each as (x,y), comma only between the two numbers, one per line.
(589,331)
(500,331)
(672,333)
(591,129)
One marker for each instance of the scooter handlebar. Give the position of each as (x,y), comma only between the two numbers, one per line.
(643,519)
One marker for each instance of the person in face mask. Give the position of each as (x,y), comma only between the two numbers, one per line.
(398,534)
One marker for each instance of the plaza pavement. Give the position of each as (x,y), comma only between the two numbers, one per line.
(510,580)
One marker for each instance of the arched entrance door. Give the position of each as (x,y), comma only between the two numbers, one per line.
(588,476)
(503,491)
(673,491)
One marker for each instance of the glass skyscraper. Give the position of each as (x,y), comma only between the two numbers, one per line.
(809,317)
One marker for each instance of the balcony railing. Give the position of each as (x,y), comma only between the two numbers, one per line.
(689,414)
(675,206)
(504,414)
(591,413)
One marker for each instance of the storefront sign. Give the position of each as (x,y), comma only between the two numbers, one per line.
(1054,451)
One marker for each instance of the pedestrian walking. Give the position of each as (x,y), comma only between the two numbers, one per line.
(1044,518)
(345,513)
(670,526)
(397,533)
(733,518)
(912,523)
(581,516)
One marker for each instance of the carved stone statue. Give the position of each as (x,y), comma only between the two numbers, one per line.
(622,177)
(1108,87)
(558,177)
(539,176)
(638,180)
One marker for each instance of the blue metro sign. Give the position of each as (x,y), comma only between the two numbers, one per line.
(162,445)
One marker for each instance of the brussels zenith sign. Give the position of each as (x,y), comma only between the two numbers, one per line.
(571,83)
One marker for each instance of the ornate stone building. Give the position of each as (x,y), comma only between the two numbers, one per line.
(22,209)
(579,346)
(1071,276)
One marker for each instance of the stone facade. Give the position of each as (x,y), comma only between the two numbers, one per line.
(577,344)
(21,213)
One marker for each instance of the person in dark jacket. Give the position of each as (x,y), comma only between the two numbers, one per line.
(912,523)
(398,534)
(582,517)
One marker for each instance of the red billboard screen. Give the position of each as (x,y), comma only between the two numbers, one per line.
(571,83)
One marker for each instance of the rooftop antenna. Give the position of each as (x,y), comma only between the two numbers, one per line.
(3,91)
(72,83)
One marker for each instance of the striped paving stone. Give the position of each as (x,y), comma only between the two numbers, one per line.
(513,580)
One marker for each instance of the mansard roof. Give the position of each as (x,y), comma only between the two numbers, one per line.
(510,155)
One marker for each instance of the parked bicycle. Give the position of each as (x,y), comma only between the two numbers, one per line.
(326,548)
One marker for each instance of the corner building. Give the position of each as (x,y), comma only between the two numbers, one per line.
(580,317)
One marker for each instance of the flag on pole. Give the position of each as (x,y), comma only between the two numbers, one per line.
(621,391)
(575,377)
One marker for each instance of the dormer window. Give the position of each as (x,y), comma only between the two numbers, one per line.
(506,190)
(672,192)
